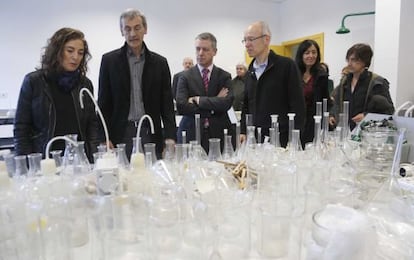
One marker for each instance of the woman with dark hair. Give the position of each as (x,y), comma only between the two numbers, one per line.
(366,91)
(48,103)
(315,83)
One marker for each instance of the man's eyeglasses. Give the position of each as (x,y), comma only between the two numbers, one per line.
(252,39)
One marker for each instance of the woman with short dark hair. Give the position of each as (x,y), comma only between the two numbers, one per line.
(366,91)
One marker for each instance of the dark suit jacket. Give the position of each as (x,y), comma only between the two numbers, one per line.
(175,83)
(115,89)
(210,106)
(278,91)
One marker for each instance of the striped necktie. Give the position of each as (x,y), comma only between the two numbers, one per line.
(205,79)
(205,82)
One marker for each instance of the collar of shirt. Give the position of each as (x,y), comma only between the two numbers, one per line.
(200,68)
(130,53)
(259,68)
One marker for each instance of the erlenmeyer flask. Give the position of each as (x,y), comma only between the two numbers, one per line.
(197,152)
(251,138)
(214,152)
(228,151)
(34,164)
(121,156)
(295,145)
(80,160)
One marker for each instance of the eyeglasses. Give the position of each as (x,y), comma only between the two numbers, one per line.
(252,39)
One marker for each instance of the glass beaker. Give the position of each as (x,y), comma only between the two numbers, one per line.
(274,223)
(20,166)
(34,164)
(10,164)
(169,154)
(150,148)
(343,233)
(124,226)
(57,156)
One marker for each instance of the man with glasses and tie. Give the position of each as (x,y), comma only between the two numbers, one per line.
(204,89)
(272,86)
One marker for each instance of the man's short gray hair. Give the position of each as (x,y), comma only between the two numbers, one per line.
(208,36)
(265,28)
(131,13)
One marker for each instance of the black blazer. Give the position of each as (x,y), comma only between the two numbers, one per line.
(277,91)
(115,89)
(210,106)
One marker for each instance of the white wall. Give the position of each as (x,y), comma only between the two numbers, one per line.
(301,18)
(172,26)
(405,89)
(394,37)
(386,63)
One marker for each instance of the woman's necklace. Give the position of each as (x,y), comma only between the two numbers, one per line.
(306,77)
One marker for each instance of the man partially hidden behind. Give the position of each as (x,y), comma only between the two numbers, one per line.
(187,63)
(237,84)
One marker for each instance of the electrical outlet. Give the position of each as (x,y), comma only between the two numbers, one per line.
(4,95)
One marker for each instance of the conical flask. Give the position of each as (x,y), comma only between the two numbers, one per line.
(228,151)
(121,156)
(80,160)
(214,152)
(251,138)
(294,145)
